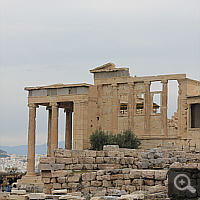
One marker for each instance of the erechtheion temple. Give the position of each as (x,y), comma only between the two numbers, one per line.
(115,102)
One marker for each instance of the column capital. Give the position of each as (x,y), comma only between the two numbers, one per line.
(147,82)
(99,85)
(68,110)
(33,105)
(164,81)
(114,85)
(53,104)
(48,107)
(131,84)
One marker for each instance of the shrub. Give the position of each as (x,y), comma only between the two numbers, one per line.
(98,139)
(126,139)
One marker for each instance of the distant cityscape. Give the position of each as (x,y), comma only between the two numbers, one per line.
(16,163)
(15,158)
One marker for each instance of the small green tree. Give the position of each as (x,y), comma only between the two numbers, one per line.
(98,139)
(126,139)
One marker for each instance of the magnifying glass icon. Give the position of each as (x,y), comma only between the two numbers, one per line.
(187,187)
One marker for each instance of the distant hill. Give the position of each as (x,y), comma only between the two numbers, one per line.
(22,149)
(3,154)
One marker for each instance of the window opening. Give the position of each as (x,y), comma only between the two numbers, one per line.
(172,100)
(156,102)
(195,115)
(139,103)
(156,86)
(123,108)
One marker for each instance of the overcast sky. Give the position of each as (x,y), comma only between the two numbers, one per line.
(48,41)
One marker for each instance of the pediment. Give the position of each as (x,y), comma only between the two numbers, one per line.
(106,67)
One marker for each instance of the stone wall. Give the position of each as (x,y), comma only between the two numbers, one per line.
(126,179)
(80,170)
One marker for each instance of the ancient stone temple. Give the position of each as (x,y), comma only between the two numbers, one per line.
(115,102)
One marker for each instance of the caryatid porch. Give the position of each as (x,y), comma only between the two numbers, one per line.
(72,98)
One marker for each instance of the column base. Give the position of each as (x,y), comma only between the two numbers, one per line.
(30,181)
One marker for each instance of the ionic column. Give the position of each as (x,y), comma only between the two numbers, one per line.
(114,109)
(164,106)
(131,107)
(31,141)
(68,129)
(54,128)
(147,107)
(49,133)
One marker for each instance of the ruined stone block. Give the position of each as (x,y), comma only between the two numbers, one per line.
(61,173)
(156,150)
(127,182)
(92,190)
(157,188)
(61,179)
(57,186)
(63,153)
(89,176)
(110,148)
(86,160)
(99,153)
(73,185)
(145,164)
(53,180)
(116,176)
(137,182)
(77,153)
(130,153)
(130,188)
(46,180)
(128,160)
(44,167)
(78,166)
(74,178)
(66,161)
(160,174)
(111,160)
(176,165)
(126,170)
(46,174)
(100,172)
(126,176)
(114,154)
(134,173)
(149,182)
(106,183)
(47,160)
(158,155)
(149,174)
(89,153)
(96,183)
(103,177)
(99,160)
(88,166)
(118,183)
(104,166)
(58,166)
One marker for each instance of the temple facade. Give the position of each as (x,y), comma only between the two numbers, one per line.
(116,101)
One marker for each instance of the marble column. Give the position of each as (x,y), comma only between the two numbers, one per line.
(49,133)
(54,127)
(147,107)
(164,106)
(115,108)
(31,140)
(68,129)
